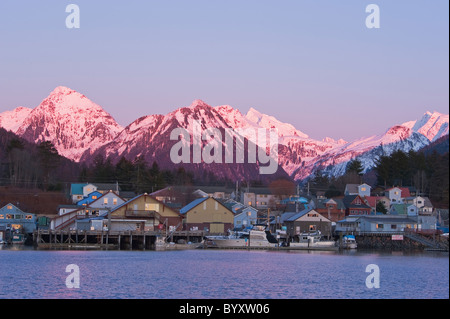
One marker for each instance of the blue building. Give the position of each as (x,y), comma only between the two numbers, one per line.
(91,197)
(15,220)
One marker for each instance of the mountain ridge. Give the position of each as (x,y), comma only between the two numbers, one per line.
(81,129)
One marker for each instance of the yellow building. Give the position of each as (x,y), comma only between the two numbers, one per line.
(144,213)
(209,214)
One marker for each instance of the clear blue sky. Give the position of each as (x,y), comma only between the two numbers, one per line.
(310,63)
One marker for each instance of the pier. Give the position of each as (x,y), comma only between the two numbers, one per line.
(125,240)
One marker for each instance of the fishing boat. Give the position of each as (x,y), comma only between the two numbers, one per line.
(256,236)
(349,242)
(312,240)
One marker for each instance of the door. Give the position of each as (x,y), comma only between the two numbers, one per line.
(217,228)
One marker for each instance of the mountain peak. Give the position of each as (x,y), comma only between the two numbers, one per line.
(62,90)
(197,103)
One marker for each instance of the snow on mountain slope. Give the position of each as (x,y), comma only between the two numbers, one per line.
(432,125)
(149,137)
(81,129)
(72,122)
(11,120)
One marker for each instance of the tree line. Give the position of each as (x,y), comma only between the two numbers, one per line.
(427,172)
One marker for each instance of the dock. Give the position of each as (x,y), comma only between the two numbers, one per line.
(105,240)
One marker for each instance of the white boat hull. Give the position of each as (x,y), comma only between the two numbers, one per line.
(240,243)
(319,244)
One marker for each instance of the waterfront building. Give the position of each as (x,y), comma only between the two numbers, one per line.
(208,214)
(306,221)
(375,224)
(144,213)
(14,219)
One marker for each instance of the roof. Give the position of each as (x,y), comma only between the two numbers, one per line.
(373,200)
(351,188)
(296,216)
(399,209)
(107,186)
(321,204)
(192,204)
(387,219)
(405,191)
(77,188)
(348,199)
(14,208)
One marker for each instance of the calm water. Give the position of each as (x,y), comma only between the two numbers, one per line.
(217,274)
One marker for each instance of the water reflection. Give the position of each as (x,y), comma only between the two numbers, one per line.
(223,274)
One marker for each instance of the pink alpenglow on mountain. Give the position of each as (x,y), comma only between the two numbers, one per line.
(11,120)
(72,122)
(81,129)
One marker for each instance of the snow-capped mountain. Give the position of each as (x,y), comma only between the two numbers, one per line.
(432,125)
(81,130)
(149,137)
(72,122)
(11,120)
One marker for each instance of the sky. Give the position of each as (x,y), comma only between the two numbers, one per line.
(314,64)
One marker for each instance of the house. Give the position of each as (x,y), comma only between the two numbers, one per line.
(357,189)
(144,213)
(385,224)
(355,205)
(89,198)
(260,198)
(208,214)
(333,208)
(244,215)
(78,191)
(372,202)
(70,217)
(397,194)
(215,191)
(308,220)
(13,219)
(423,203)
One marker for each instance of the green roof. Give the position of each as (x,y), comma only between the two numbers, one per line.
(77,189)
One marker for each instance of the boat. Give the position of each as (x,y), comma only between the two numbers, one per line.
(17,239)
(349,242)
(256,236)
(312,240)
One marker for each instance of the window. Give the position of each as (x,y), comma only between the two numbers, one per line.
(312,227)
(2,216)
(393,226)
(94,197)
(204,205)
(379,226)
(363,189)
(9,207)
(105,201)
(216,205)
(151,206)
(114,201)
(9,216)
